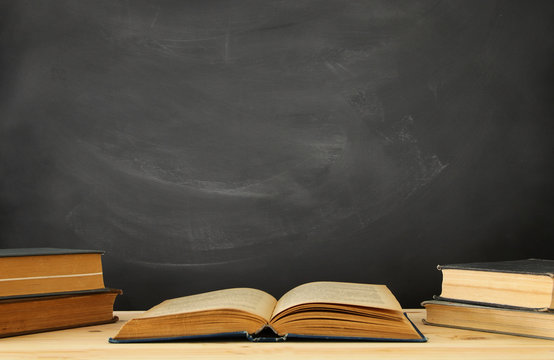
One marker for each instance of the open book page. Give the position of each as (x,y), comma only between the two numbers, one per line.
(250,300)
(376,296)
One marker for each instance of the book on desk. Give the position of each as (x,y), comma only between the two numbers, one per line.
(317,310)
(45,289)
(508,297)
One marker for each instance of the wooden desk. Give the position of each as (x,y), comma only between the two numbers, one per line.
(92,343)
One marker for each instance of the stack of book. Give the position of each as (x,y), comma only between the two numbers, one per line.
(508,297)
(43,289)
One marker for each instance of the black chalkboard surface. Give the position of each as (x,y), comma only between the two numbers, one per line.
(216,144)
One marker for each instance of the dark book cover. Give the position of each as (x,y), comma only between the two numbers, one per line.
(44,251)
(488,304)
(52,294)
(527,266)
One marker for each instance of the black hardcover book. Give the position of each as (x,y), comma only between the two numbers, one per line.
(525,284)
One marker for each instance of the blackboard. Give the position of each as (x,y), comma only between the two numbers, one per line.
(214,144)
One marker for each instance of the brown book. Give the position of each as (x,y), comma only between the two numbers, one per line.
(508,321)
(47,270)
(520,283)
(322,310)
(27,315)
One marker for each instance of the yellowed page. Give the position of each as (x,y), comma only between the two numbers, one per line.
(250,300)
(377,296)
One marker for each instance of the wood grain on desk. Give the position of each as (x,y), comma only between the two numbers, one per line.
(92,343)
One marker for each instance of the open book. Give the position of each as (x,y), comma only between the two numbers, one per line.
(326,310)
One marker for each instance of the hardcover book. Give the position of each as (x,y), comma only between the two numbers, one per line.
(35,271)
(508,321)
(320,310)
(519,284)
(27,315)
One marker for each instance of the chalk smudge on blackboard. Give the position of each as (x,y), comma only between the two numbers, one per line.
(211,136)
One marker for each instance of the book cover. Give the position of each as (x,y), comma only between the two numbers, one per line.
(18,252)
(527,266)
